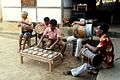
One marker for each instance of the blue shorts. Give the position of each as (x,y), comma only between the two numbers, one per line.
(27,34)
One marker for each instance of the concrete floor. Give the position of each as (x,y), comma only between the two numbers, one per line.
(11,69)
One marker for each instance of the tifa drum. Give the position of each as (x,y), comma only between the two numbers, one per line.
(80,31)
(39,28)
(26,28)
(95,59)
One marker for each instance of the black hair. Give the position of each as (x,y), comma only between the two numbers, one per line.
(72,19)
(53,22)
(47,19)
(104,27)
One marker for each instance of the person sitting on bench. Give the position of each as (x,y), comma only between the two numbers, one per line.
(53,34)
(26,29)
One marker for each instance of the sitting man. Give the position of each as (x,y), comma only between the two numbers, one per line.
(53,34)
(26,29)
(104,48)
(79,40)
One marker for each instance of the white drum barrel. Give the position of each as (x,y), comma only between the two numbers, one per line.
(89,30)
(96,59)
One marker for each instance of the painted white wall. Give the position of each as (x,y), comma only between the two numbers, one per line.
(51,13)
(49,3)
(11,3)
(11,10)
(31,13)
(11,14)
(8,12)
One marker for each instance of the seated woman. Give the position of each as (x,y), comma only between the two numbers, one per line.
(26,29)
(53,34)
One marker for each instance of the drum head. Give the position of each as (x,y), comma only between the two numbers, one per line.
(97,60)
(39,28)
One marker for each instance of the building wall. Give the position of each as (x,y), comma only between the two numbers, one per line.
(50,8)
(11,10)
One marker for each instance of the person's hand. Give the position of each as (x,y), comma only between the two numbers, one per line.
(48,48)
(19,25)
(75,22)
(86,45)
(37,46)
(23,22)
(72,24)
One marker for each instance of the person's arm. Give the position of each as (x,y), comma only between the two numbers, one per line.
(92,48)
(27,22)
(76,22)
(41,39)
(19,24)
(58,39)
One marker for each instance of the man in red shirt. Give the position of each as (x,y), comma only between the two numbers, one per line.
(53,34)
(104,48)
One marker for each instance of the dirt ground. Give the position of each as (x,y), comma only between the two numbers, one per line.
(12,69)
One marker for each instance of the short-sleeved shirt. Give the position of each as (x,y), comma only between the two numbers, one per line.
(52,34)
(107,49)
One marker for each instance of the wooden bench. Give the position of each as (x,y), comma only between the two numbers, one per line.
(50,57)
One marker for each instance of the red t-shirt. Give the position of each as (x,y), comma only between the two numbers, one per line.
(106,49)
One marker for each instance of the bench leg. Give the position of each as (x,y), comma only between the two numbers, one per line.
(29,42)
(36,39)
(74,48)
(50,67)
(21,59)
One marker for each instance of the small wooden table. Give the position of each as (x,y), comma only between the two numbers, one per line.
(51,57)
